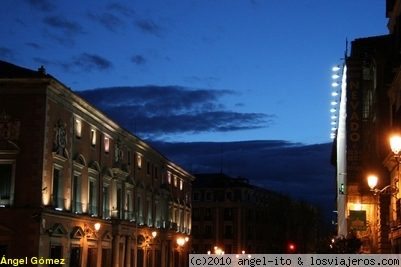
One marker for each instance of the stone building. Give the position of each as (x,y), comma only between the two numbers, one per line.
(370,114)
(234,216)
(75,185)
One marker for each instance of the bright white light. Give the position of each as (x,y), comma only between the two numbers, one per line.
(332,110)
(334,93)
(395,144)
(335,68)
(333,123)
(372,181)
(334,128)
(335,76)
(333,103)
(335,84)
(333,117)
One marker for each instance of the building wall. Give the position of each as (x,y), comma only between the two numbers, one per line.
(67,179)
(237,217)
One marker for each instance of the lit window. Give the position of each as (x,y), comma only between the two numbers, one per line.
(76,193)
(93,137)
(78,128)
(92,199)
(139,160)
(106,144)
(169,178)
(106,202)
(175,181)
(58,188)
(181,184)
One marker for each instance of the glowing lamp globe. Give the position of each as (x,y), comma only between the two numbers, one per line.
(372,181)
(395,144)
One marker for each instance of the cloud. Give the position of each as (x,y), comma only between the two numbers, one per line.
(121,9)
(88,62)
(107,20)
(60,23)
(42,5)
(300,171)
(6,52)
(151,111)
(138,59)
(148,26)
(34,45)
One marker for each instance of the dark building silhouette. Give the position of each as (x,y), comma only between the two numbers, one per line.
(76,186)
(238,217)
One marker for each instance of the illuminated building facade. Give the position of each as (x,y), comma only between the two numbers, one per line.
(234,216)
(75,185)
(370,114)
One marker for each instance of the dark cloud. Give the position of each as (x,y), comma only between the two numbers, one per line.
(84,62)
(6,52)
(34,45)
(149,26)
(121,9)
(107,20)
(89,62)
(151,111)
(301,171)
(138,59)
(60,23)
(42,5)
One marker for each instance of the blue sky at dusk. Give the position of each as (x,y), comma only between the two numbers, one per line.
(202,70)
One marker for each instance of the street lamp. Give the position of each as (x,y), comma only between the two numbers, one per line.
(372,182)
(395,144)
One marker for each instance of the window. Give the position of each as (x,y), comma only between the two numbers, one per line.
(6,183)
(78,128)
(58,188)
(169,178)
(228,231)
(106,144)
(228,213)
(208,214)
(93,137)
(208,231)
(129,157)
(129,206)
(148,168)
(139,161)
(92,208)
(106,202)
(76,193)
(119,202)
(181,184)
(175,181)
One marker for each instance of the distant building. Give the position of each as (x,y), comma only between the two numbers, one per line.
(74,185)
(370,113)
(235,216)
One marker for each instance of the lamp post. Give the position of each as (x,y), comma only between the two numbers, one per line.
(388,189)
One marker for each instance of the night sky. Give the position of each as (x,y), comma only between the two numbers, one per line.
(191,74)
